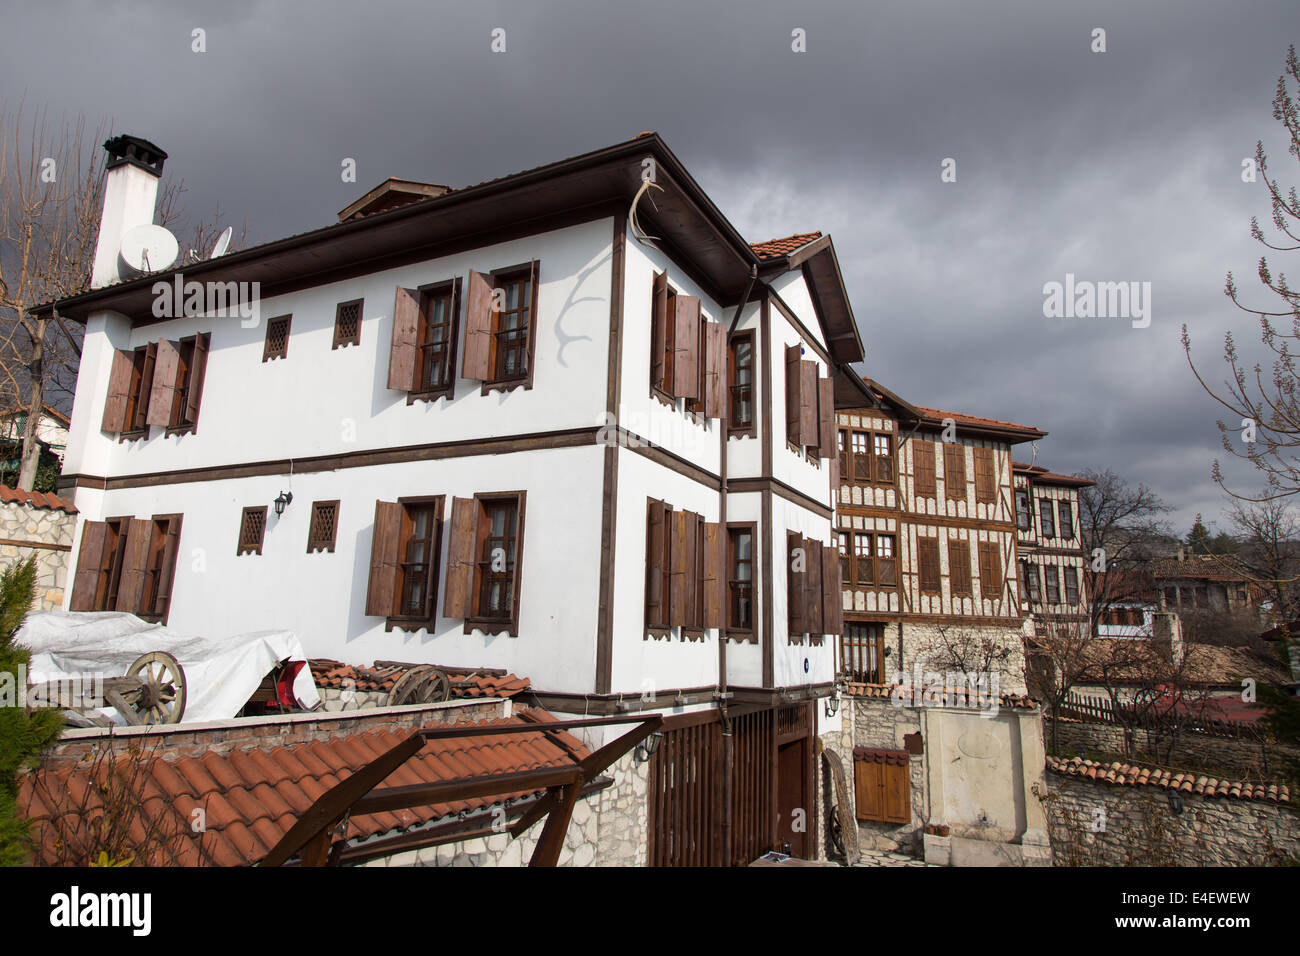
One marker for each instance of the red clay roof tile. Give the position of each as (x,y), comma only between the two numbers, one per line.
(771,248)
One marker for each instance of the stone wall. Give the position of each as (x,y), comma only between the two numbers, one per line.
(27,530)
(926,645)
(1100,824)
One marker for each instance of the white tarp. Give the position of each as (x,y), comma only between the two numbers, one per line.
(220,674)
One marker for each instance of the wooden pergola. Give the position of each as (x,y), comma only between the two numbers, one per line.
(310,837)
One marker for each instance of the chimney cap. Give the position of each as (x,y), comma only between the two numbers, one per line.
(126,149)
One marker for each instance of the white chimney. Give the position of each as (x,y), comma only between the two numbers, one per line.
(130,193)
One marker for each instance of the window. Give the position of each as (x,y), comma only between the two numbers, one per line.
(1067,519)
(882,785)
(160,569)
(1071,585)
(437,340)
(127,564)
(923,459)
(740,587)
(809,406)
(886,562)
(485,559)
(883,451)
(813,596)
(177,391)
(513,324)
(954,471)
(1046,518)
(959,577)
(871,563)
(501,327)
(252,530)
(985,478)
(324,528)
(846,559)
(990,558)
(685,572)
(663,312)
(864,568)
(347,323)
(861,457)
(862,652)
(404,561)
(496,563)
(277,338)
(657,565)
(1051,584)
(742,383)
(1029,580)
(869,457)
(927,556)
(1024,519)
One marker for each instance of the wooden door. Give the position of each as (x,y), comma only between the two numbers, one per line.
(793,817)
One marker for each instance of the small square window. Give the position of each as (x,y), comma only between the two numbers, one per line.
(252,530)
(347,323)
(277,338)
(323,532)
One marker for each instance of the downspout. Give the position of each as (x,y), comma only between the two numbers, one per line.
(723,694)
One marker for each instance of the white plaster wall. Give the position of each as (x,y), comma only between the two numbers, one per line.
(788,659)
(788,467)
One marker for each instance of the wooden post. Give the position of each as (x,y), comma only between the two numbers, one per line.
(549,844)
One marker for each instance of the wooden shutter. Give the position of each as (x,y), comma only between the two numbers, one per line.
(883,787)
(85,582)
(715,572)
(198,370)
(927,557)
(868,786)
(793,418)
(959,566)
(385,553)
(135,559)
(462,558)
(808,429)
(923,468)
(795,584)
(990,580)
(167,572)
(119,392)
(404,353)
(832,602)
(812,592)
(686,347)
(985,486)
(898,793)
(477,363)
(826,418)
(954,471)
(715,370)
(656,613)
(659,334)
(681,587)
(162,395)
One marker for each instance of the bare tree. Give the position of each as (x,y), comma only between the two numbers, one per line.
(1056,659)
(1270,552)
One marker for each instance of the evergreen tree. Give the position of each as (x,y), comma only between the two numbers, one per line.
(1198,539)
(23,735)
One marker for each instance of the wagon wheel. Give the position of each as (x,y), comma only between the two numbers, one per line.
(161,698)
(421,685)
(837,834)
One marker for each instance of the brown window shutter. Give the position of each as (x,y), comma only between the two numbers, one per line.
(658,517)
(167,572)
(714,573)
(812,592)
(832,602)
(808,429)
(985,487)
(686,347)
(898,792)
(927,556)
(826,416)
(403,355)
(715,370)
(868,785)
(993,588)
(198,369)
(462,558)
(85,583)
(163,393)
(796,579)
(923,456)
(682,551)
(477,363)
(954,471)
(385,553)
(659,334)
(959,579)
(119,392)
(135,559)
(793,416)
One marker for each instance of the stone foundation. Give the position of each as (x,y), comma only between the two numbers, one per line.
(26,530)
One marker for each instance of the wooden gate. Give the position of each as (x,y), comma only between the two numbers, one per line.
(685,793)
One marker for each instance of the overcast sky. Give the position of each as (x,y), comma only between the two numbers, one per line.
(1115,166)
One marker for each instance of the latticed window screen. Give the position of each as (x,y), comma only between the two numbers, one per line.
(347,324)
(277,338)
(324,526)
(252,530)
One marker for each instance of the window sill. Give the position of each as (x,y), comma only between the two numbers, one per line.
(342,345)
(738,636)
(506,385)
(430,396)
(693,634)
(492,626)
(181,430)
(747,431)
(133,435)
(658,634)
(410,624)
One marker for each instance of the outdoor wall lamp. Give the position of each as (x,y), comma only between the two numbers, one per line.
(1175,802)
(833,705)
(282,502)
(646,749)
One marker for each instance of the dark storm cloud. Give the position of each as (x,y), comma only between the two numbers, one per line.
(1114,167)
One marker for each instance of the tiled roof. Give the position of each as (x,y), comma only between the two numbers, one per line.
(784,246)
(251,797)
(974,420)
(875,755)
(1043,476)
(464,683)
(886,691)
(1203,567)
(1126,660)
(36,499)
(1122,774)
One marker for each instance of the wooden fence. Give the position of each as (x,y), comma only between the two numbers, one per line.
(1101,710)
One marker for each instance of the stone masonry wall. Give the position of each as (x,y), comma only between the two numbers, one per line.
(45,532)
(1098,824)
(924,645)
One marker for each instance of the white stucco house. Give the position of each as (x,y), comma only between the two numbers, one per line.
(560,422)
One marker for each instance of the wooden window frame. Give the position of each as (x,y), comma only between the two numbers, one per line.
(850,645)
(161,567)
(736,428)
(137,406)
(428,619)
(663,388)
(532,270)
(1033,583)
(314,541)
(733,581)
(1065,519)
(883,791)
(1051,585)
(962,585)
(242,548)
(342,341)
(1046,518)
(1025,516)
(663,627)
(283,353)
(478,621)
(953,453)
(989,554)
(1070,585)
(923,545)
(424,297)
(189,379)
(986,475)
(925,481)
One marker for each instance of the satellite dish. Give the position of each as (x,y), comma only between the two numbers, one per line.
(223,243)
(149,249)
